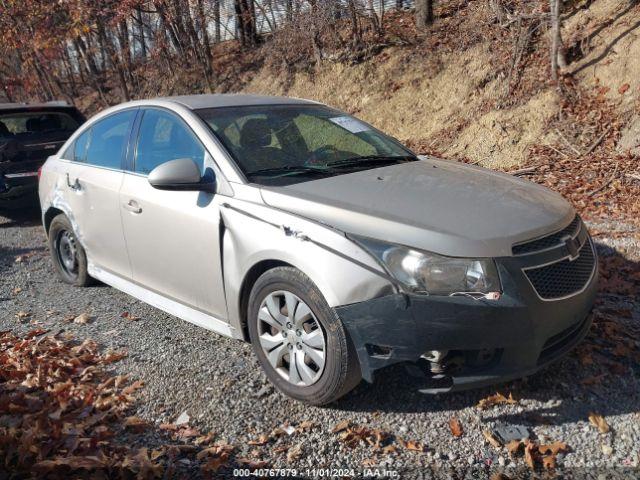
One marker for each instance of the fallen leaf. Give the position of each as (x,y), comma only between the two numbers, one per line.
(341,426)
(499,476)
(549,462)
(135,424)
(16,291)
(294,453)
(74,462)
(529,452)
(22,315)
(413,446)
(82,319)
(514,447)
(370,462)
(623,88)
(456,427)
(129,316)
(111,357)
(491,438)
(389,449)
(496,399)
(187,432)
(281,449)
(252,464)
(306,426)
(599,422)
(261,440)
(553,448)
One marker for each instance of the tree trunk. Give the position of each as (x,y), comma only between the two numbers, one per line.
(216,20)
(125,50)
(375,21)
(115,62)
(141,37)
(289,11)
(558,59)
(246,22)
(356,36)
(424,13)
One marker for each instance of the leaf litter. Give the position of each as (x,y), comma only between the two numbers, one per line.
(61,413)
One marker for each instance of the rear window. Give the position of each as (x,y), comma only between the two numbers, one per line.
(25,123)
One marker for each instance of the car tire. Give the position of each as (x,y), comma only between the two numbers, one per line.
(69,258)
(340,372)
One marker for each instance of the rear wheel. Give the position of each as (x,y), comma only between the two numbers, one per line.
(69,258)
(298,339)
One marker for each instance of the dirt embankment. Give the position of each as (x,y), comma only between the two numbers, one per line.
(456,99)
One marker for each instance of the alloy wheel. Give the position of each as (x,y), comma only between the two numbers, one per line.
(291,338)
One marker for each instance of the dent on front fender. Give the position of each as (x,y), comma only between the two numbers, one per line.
(256,235)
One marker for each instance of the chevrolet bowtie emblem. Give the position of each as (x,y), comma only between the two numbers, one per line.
(572,246)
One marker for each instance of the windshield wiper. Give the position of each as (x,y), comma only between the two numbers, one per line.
(367,160)
(291,170)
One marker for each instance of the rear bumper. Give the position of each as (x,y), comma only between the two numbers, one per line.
(18,191)
(517,334)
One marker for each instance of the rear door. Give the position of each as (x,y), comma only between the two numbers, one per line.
(172,236)
(93,184)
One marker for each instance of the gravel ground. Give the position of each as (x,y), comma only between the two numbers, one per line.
(219,384)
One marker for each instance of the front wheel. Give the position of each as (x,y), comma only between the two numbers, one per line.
(298,339)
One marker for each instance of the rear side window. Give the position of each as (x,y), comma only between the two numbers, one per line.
(109,138)
(164,137)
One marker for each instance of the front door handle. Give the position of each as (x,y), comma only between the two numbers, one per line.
(75,186)
(132,206)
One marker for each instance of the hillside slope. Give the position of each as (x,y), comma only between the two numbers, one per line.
(451,100)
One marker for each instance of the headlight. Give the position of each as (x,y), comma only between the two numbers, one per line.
(425,272)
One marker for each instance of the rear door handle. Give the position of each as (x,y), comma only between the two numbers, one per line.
(75,186)
(132,206)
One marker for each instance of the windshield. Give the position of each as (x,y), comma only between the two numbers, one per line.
(284,144)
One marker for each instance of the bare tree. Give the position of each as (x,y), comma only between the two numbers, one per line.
(558,59)
(424,13)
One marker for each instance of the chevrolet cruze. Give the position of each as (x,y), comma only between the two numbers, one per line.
(325,243)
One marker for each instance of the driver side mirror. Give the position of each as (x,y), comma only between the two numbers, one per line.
(181,174)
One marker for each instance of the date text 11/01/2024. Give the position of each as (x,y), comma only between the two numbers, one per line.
(316,473)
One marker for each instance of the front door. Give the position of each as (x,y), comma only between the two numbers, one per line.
(172,237)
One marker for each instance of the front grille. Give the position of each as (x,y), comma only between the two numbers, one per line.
(550,240)
(557,344)
(565,277)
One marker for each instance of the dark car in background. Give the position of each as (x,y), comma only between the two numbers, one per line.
(29,134)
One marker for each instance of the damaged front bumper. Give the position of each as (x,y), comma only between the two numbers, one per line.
(482,341)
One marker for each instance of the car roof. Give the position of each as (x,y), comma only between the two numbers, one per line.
(26,107)
(197,102)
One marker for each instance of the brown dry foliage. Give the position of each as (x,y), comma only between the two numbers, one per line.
(61,413)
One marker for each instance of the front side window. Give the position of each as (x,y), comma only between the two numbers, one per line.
(284,144)
(109,138)
(164,137)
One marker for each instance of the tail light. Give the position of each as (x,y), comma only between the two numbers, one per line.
(39,173)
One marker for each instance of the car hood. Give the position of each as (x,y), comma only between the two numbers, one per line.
(436,205)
